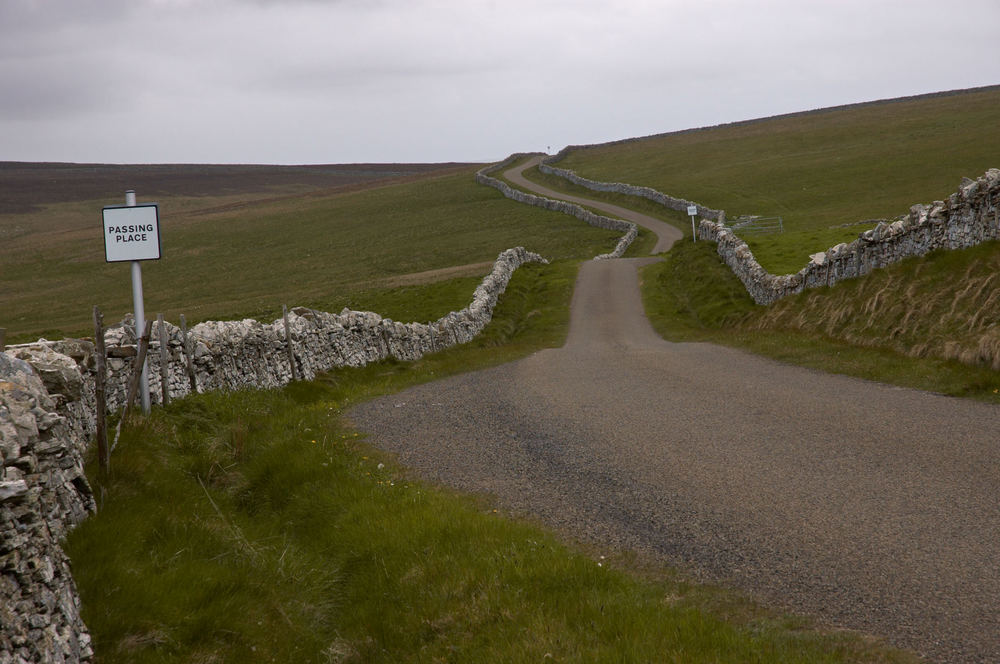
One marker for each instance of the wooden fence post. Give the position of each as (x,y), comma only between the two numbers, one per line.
(3,335)
(140,359)
(188,353)
(288,338)
(100,392)
(164,361)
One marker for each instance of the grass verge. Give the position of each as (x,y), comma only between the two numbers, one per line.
(254,527)
(906,325)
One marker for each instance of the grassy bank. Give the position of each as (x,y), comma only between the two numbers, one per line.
(256,527)
(908,324)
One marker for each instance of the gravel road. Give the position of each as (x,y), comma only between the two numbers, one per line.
(867,506)
(666,233)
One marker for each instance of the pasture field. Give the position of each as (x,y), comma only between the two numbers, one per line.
(30,186)
(818,170)
(230,256)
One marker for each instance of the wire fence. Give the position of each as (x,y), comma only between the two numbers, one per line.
(755,225)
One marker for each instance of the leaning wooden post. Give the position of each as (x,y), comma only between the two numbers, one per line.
(3,334)
(188,353)
(137,371)
(100,392)
(288,339)
(164,361)
(140,361)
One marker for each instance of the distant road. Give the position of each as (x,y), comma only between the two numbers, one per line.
(666,233)
(868,506)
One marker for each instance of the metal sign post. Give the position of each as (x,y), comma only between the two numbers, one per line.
(132,233)
(693,212)
(140,316)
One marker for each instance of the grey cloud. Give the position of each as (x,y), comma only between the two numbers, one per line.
(46,87)
(317,80)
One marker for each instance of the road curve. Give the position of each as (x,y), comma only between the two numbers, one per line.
(868,506)
(665,233)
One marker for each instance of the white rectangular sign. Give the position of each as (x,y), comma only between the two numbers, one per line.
(132,233)
(692,210)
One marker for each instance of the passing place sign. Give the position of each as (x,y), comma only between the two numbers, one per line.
(132,233)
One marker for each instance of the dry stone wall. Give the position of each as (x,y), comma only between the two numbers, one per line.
(631,231)
(43,493)
(669,202)
(240,354)
(968,217)
(47,417)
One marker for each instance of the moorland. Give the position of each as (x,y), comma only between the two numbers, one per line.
(258,526)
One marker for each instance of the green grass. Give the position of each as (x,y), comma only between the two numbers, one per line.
(321,252)
(944,305)
(255,526)
(787,253)
(912,324)
(691,295)
(817,170)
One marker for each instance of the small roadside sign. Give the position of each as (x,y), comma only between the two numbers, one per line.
(132,233)
(693,212)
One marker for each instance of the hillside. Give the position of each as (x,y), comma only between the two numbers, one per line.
(238,248)
(911,323)
(27,186)
(818,170)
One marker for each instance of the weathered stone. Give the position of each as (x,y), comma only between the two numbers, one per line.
(969,217)
(39,500)
(11,490)
(80,351)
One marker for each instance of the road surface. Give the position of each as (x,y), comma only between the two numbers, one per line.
(867,506)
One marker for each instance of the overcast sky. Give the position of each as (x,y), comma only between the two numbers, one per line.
(337,81)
